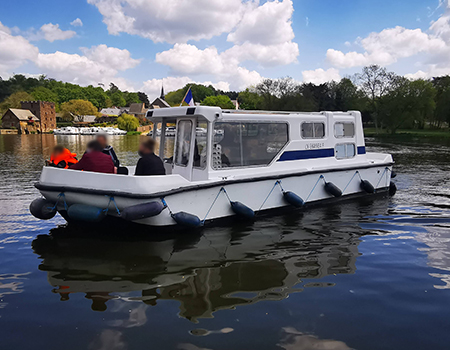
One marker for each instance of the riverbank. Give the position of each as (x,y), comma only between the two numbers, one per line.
(408,133)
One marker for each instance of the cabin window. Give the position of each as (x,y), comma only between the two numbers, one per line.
(345,150)
(201,143)
(313,130)
(245,144)
(344,130)
(183,146)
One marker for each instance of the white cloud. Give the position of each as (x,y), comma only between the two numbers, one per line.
(52,32)
(14,51)
(171,20)
(77,22)
(260,33)
(320,76)
(185,59)
(110,57)
(387,47)
(266,55)
(99,64)
(418,75)
(393,44)
(269,24)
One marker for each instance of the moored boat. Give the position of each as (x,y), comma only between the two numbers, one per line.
(242,163)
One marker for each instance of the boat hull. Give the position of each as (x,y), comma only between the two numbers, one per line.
(211,201)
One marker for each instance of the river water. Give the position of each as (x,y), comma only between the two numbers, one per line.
(364,274)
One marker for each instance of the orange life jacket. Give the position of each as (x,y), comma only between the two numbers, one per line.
(66,156)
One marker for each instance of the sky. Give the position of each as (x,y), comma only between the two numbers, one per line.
(140,45)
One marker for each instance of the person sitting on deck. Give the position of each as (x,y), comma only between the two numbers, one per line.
(150,163)
(107,149)
(94,160)
(62,158)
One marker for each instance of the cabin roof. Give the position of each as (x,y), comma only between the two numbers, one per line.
(216,113)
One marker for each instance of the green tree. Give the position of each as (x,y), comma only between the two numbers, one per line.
(75,108)
(199,93)
(131,97)
(221,101)
(442,111)
(43,94)
(249,100)
(14,100)
(128,122)
(347,96)
(144,98)
(118,100)
(409,103)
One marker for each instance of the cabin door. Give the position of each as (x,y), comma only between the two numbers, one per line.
(184,148)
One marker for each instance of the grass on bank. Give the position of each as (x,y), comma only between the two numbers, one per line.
(428,133)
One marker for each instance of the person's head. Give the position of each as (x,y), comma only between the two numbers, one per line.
(94,146)
(57,150)
(102,140)
(147,147)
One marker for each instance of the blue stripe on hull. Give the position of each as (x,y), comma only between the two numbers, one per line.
(313,154)
(307,154)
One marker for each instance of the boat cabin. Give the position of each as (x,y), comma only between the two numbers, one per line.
(203,143)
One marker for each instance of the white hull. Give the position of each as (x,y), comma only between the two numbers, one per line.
(197,199)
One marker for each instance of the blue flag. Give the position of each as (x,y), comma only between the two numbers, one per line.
(189,99)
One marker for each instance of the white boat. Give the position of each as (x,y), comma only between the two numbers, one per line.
(256,162)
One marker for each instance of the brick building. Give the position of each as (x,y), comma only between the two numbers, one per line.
(44,111)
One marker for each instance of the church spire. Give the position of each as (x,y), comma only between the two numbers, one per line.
(162,97)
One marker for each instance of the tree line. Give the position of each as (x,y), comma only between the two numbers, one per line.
(387,101)
(21,88)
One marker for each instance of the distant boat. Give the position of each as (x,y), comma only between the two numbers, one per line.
(70,130)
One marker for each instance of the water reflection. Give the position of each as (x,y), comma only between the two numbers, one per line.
(205,272)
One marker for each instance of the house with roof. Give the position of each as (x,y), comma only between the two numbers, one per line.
(160,102)
(22,120)
(138,110)
(111,112)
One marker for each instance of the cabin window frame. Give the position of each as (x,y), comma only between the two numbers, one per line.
(343,136)
(314,130)
(177,140)
(206,147)
(346,144)
(249,121)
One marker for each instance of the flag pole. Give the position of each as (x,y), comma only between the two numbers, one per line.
(185,96)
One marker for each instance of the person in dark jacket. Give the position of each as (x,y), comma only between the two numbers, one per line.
(107,149)
(94,160)
(150,163)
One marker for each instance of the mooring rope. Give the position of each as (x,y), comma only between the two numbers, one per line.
(214,202)
(317,182)
(111,199)
(163,201)
(278,182)
(357,172)
(381,178)
(63,196)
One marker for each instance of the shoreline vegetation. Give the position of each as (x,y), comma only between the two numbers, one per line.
(408,133)
(391,103)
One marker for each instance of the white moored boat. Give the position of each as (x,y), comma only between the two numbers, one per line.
(244,163)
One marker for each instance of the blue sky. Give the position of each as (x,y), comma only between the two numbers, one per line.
(141,44)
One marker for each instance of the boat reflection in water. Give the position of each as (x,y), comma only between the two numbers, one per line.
(215,269)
